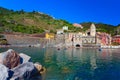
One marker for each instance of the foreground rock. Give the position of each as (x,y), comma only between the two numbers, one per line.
(14,66)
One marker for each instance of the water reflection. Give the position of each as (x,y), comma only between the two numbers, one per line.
(83,64)
(77,64)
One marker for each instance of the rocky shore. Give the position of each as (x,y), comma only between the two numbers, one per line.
(19,66)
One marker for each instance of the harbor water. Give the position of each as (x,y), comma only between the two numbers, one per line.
(75,64)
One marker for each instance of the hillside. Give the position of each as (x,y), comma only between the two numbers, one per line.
(100,27)
(29,22)
(37,22)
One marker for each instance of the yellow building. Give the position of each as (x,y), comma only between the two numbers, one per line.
(49,35)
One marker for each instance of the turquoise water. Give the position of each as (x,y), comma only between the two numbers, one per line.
(76,64)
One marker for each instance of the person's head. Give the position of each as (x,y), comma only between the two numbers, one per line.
(11,59)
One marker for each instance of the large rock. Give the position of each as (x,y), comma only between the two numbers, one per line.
(10,58)
(16,66)
(3,72)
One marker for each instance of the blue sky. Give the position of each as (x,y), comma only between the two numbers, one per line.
(74,11)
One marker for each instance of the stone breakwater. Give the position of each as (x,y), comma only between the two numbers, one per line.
(19,67)
(24,40)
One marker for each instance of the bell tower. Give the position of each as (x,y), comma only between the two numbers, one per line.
(92,30)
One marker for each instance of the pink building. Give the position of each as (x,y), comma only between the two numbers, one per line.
(104,38)
(116,39)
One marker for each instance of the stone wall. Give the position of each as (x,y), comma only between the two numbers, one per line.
(23,40)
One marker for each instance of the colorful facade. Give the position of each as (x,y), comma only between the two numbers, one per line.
(103,38)
(116,39)
(49,36)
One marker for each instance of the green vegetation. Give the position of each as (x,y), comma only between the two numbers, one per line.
(3,41)
(100,27)
(36,22)
(29,22)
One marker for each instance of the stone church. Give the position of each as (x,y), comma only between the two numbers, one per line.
(90,38)
(82,39)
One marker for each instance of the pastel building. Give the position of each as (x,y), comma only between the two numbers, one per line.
(103,38)
(80,39)
(116,39)
(65,27)
(60,31)
(74,39)
(49,36)
(90,36)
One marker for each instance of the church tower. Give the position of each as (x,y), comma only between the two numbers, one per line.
(92,30)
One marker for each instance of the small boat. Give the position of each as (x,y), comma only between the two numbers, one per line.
(100,49)
(65,48)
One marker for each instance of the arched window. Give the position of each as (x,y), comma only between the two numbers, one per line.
(88,33)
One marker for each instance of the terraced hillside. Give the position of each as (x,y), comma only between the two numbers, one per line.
(29,22)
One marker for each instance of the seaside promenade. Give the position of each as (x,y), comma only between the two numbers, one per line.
(18,40)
